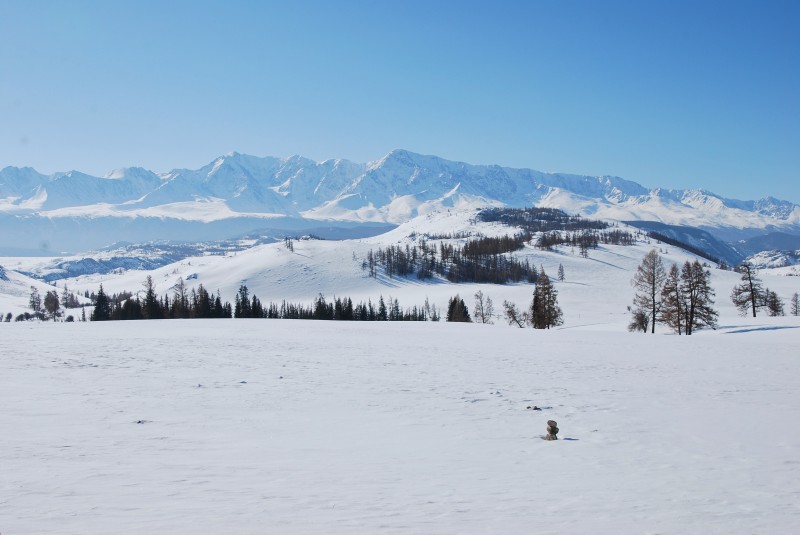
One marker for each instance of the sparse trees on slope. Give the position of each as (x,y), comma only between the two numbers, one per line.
(544,310)
(750,293)
(649,281)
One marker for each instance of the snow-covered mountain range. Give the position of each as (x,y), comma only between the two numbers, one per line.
(237,193)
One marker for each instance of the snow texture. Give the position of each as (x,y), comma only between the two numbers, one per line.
(254,426)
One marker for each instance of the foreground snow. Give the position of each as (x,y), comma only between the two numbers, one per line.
(267,426)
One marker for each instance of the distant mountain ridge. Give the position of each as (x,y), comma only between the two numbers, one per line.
(393,189)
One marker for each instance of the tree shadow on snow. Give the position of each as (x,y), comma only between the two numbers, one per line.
(754,329)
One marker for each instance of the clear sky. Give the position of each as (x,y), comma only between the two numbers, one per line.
(672,93)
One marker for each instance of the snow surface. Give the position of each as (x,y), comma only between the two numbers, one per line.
(272,426)
(254,426)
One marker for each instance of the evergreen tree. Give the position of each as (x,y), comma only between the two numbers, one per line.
(383,314)
(151,308)
(457,310)
(180,300)
(51,304)
(699,296)
(774,304)
(561,273)
(750,293)
(795,305)
(102,307)
(648,281)
(672,310)
(35,300)
(242,302)
(544,309)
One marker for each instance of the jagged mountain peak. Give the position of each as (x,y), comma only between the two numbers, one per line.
(394,188)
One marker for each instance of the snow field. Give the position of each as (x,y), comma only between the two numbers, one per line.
(257,426)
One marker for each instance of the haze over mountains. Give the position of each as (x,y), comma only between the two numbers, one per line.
(237,193)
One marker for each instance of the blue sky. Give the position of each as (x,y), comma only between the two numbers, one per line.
(666,93)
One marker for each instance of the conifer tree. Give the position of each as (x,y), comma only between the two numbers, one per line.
(699,296)
(457,310)
(383,313)
(35,300)
(773,303)
(750,293)
(51,304)
(151,308)
(648,281)
(671,312)
(242,302)
(794,309)
(544,309)
(102,307)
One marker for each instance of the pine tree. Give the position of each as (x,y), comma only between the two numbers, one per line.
(561,273)
(649,281)
(51,304)
(242,302)
(696,288)
(671,312)
(774,303)
(795,305)
(102,307)
(457,310)
(35,300)
(151,309)
(544,309)
(750,293)
(383,313)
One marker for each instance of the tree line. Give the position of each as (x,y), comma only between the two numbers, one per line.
(183,304)
(534,219)
(338,308)
(481,260)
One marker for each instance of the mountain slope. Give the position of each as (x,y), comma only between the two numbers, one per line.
(393,189)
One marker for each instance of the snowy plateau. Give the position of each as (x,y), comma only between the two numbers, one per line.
(253,426)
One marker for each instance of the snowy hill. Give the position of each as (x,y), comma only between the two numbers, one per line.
(231,425)
(393,189)
(273,272)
